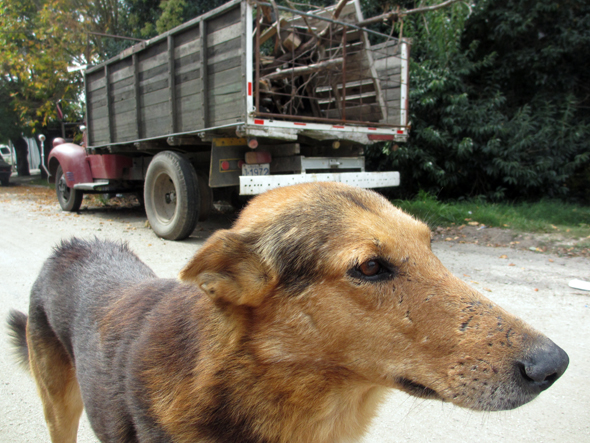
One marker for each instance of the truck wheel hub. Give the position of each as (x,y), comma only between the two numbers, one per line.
(170,197)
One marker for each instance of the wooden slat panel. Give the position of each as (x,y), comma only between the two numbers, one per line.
(222,47)
(188,63)
(124,126)
(390,83)
(154,127)
(226,77)
(95,81)
(204,79)
(154,98)
(154,56)
(154,111)
(245,41)
(223,113)
(371,113)
(167,79)
(221,99)
(171,86)
(393,74)
(189,121)
(126,134)
(190,114)
(391,95)
(136,96)
(123,106)
(224,21)
(109,134)
(230,88)
(188,77)
(121,70)
(187,41)
(229,121)
(393,118)
(99,131)
(190,103)
(213,69)
(124,94)
(223,35)
(389,66)
(153,75)
(100,123)
(100,112)
(185,89)
(97,140)
(151,86)
(97,100)
(126,83)
(231,49)
(89,134)
(155,120)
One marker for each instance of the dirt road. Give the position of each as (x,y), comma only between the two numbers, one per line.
(531,285)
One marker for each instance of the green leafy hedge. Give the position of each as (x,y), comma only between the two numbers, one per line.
(499,100)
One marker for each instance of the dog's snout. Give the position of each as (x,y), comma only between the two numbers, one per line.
(543,365)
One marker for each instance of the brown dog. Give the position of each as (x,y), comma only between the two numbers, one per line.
(289,327)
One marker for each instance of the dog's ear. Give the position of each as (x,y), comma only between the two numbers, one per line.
(228,270)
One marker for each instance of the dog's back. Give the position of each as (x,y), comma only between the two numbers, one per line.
(78,280)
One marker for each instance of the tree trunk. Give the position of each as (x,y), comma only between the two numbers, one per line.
(21,148)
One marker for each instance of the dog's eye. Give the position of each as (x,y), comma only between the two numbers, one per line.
(372,270)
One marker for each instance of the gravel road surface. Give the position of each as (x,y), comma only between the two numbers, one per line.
(531,285)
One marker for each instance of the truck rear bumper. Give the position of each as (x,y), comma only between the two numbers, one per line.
(252,185)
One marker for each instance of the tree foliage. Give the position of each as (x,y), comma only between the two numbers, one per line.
(38,42)
(36,47)
(498,102)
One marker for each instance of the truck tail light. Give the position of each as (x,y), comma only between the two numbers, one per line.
(380,137)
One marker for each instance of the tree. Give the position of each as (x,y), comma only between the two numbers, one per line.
(496,112)
(36,47)
(141,17)
(40,40)
(543,69)
(9,120)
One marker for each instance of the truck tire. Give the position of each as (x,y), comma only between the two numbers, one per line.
(171,195)
(69,199)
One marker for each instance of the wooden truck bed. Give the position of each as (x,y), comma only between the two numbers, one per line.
(221,73)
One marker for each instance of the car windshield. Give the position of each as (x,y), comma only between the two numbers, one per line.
(4,150)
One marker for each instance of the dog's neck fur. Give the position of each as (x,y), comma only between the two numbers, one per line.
(236,390)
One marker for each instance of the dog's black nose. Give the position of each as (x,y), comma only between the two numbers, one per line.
(544,363)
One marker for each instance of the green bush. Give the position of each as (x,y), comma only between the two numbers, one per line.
(497,109)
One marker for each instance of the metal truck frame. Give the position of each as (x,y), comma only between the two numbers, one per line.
(247,97)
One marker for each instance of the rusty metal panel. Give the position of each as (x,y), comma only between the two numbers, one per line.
(227,156)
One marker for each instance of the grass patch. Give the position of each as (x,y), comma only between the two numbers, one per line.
(543,216)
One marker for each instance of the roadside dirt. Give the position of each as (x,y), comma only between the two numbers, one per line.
(555,243)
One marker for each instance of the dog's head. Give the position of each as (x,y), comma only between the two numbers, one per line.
(335,276)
